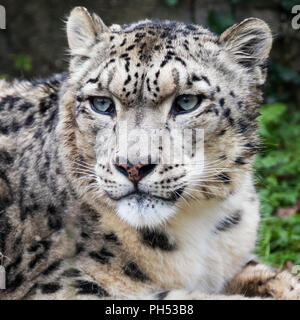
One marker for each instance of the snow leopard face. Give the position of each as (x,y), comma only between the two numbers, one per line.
(157,114)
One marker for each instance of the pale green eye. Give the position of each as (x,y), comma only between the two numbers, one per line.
(186,103)
(102,105)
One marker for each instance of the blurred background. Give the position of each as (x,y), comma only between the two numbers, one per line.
(34,45)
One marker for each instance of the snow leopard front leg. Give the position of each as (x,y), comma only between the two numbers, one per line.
(259,280)
(70,283)
(254,282)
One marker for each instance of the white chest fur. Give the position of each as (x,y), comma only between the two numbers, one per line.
(208,257)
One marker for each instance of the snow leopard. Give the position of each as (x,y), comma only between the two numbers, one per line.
(80,219)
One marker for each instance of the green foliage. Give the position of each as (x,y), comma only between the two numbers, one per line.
(281,83)
(219,22)
(279,240)
(287,5)
(278,173)
(241,1)
(22,62)
(171,3)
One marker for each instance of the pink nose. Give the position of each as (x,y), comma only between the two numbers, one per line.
(135,173)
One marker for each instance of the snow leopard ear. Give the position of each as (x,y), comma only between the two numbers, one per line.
(249,42)
(83,29)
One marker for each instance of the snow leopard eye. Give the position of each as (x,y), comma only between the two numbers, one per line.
(186,103)
(102,105)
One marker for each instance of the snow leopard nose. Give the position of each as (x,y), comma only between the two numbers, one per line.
(135,173)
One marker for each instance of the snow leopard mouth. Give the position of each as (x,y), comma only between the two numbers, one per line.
(145,210)
(141,196)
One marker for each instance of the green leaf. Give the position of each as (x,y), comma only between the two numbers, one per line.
(22,62)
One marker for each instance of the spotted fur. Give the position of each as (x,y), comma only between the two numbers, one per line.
(72,226)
